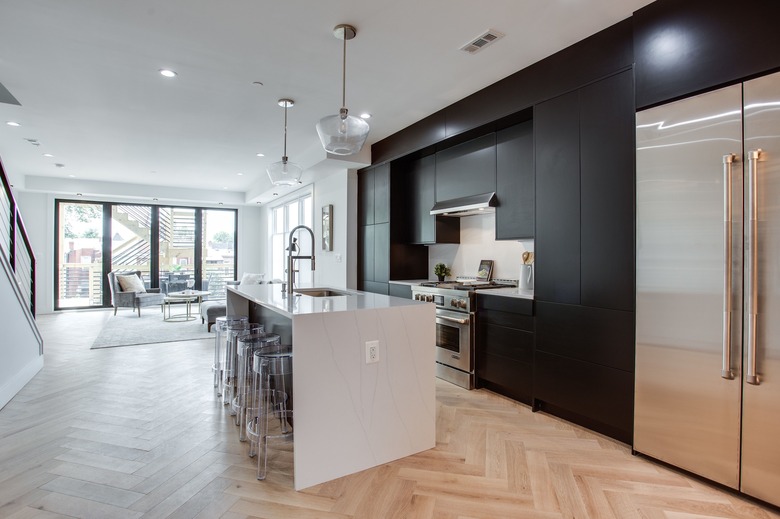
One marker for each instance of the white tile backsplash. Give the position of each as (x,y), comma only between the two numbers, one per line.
(478,242)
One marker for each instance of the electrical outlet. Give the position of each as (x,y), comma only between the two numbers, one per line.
(372,352)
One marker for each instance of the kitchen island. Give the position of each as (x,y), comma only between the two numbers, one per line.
(351,415)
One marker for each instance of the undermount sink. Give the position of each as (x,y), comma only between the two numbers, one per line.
(319,292)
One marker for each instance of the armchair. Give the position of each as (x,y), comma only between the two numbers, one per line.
(132,299)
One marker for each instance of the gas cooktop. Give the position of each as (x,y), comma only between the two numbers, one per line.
(467,285)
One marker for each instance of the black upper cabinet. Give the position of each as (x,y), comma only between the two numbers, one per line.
(685,47)
(382,193)
(607,193)
(466,169)
(366,194)
(557,240)
(383,217)
(515,182)
(425,228)
(585,196)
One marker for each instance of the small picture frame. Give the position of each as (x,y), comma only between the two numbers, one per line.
(327,227)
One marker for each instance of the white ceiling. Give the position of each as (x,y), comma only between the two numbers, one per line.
(86,75)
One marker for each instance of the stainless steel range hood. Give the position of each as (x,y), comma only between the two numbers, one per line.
(466,206)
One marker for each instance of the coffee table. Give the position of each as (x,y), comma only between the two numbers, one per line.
(184,296)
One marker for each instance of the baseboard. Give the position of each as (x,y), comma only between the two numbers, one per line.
(18,381)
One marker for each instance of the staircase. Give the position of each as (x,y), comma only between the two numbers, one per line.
(21,348)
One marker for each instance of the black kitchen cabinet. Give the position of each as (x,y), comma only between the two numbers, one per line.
(591,395)
(515,187)
(366,197)
(505,346)
(686,47)
(607,131)
(425,228)
(584,244)
(384,255)
(466,169)
(382,193)
(557,238)
(400,290)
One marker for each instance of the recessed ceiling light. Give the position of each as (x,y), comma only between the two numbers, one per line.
(240,174)
(261,154)
(225,187)
(167,72)
(79,194)
(155,199)
(59,165)
(72,176)
(258,203)
(221,203)
(48,155)
(12,123)
(276,194)
(258,83)
(365,115)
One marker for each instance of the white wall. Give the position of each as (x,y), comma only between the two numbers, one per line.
(478,242)
(19,348)
(38,213)
(332,266)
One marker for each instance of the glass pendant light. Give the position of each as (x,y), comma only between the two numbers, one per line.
(284,173)
(343,134)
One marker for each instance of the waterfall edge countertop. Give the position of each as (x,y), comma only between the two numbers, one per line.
(363,375)
(271,296)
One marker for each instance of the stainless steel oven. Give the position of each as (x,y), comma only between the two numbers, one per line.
(454,332)
(455,326)
(454,347)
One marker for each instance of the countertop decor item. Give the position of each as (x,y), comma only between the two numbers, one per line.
(284,172)
(441,270)
(343,134)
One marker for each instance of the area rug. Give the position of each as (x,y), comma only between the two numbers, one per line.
(126,329)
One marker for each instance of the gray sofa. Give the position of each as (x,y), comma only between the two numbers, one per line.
(120,298)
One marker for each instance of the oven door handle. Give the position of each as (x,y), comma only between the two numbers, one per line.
(453,319)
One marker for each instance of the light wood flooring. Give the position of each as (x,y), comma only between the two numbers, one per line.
(137,432)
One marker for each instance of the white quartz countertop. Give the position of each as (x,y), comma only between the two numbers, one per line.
(271,296)
(410,282)
(509,292)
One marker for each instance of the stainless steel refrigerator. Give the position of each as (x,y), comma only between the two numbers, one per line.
(708,286)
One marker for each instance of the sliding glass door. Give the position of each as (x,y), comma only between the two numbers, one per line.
(218,256)
(131,239)
(173,247)
(79,279)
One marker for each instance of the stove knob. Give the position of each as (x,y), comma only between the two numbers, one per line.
(418,297)
(454,303)
(462,303)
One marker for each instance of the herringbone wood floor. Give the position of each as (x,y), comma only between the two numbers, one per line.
(137,432)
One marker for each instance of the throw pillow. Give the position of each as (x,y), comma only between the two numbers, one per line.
(251,279)
(131,283)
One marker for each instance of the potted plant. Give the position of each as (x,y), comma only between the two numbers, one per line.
(441,270)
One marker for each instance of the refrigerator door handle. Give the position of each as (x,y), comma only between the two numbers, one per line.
(726,371)
(751,374)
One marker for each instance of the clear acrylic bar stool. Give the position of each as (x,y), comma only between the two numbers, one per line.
(246,343)
(255,394)
(220,335)
(273,373)
(230,361)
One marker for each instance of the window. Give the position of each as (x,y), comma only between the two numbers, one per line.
(284,218)
(174,248)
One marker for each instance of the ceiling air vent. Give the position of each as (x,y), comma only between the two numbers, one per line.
(485,39)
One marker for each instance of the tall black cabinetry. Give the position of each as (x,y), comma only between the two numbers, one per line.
(382,220)
(515,182)
(584,271)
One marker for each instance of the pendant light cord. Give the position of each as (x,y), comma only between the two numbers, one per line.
(284,157)
(344,73)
